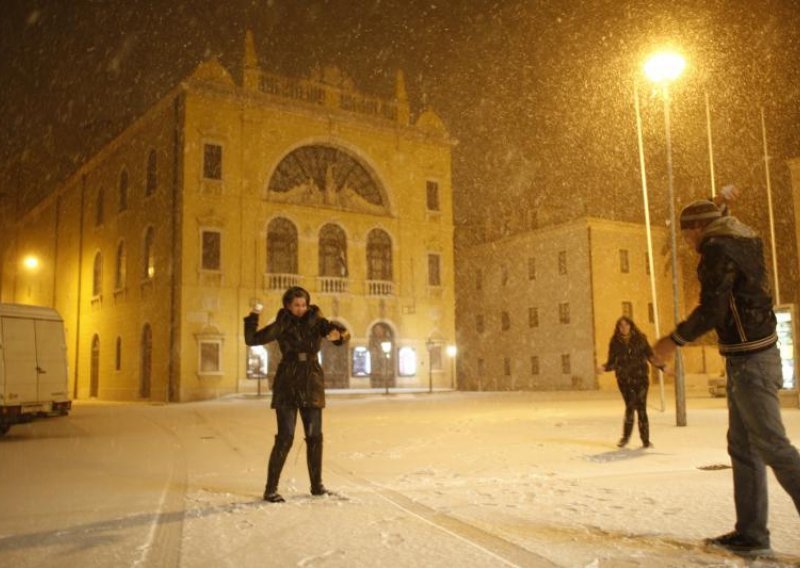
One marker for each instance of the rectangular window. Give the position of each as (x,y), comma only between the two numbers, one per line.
(210,361)
(533,317)
(479,327)
(651,314)
(436,358)
(480,369)
(534,365)
(362,363)
(212,161)
(531,268)
(479,279)
(434,270)
(566,366)
(432,194)
(507,367)
(627,309)
(562,262)
(212,250)
(505,321)
(624,263)
(563,312)
(503,275)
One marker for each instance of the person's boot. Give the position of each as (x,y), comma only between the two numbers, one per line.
(644,434)
(627,428)
(276,460)
(314,459)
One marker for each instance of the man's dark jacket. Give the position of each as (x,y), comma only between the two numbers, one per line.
(734,294)
(299,381)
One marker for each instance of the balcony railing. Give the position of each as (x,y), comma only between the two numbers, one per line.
(380,288)
(316,93)
(333,285)
(275,281)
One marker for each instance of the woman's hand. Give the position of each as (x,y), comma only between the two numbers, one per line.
(334,335)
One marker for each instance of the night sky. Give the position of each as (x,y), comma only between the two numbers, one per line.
(538,94)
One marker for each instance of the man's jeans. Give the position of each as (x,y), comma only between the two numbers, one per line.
(756,437)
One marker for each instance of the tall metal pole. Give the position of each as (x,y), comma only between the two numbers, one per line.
(771,215)
(680,387)
(710,147)
(648,231)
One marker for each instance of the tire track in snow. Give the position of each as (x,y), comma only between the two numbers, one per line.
(505,551)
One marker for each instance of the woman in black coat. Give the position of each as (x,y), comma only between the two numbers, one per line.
(628,355)
(299,383)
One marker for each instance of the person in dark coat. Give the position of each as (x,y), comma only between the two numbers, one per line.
(628,355)
(299,383)
(735,301)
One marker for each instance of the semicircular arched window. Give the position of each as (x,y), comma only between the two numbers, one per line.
(329,176)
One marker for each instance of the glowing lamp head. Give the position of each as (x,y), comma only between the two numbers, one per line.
(664,66)
(30,262)
(452,350)
(386,347)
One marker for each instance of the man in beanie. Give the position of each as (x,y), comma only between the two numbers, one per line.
(735,301)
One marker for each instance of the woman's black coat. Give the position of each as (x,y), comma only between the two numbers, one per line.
(299,381)
(628,359)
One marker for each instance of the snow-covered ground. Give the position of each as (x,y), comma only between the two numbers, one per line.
(442,480)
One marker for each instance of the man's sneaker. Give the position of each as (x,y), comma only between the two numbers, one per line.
(739,544)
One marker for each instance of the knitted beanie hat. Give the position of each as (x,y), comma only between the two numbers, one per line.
(701,210)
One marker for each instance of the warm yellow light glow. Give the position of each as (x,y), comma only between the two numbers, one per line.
(30,262)
(452,350)
(664,66)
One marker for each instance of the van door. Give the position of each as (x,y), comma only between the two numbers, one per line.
(51,360)
(19,354)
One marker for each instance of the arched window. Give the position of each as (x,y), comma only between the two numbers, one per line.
(379,255)
(281,247)
(120,269)
(152,174)
(97,275)
(332,251)
(123,190)
(99,210)
(148,254)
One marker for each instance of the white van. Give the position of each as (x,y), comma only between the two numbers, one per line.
(33,364)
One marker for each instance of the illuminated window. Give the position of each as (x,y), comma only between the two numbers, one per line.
(257,362)
(362,364)
(407,361)
(148,257)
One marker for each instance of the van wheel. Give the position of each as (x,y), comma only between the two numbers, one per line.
(4,428)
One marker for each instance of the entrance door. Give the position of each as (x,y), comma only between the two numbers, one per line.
(146,368)
(51,353)
(19,354)
(94,372)
(382,375)
(334,365)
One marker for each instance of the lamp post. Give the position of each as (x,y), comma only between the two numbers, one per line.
(663,68)
(452,351)
(429,343)
(386,347)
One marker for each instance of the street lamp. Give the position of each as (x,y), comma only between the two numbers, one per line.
(663,68)
(452,350)
(386,347)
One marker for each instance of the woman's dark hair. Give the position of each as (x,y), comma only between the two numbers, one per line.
(295,292)
(634,330)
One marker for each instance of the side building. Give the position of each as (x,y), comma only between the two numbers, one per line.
(535,310)
(225,194)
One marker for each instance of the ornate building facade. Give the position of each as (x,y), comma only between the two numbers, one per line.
(225,194)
